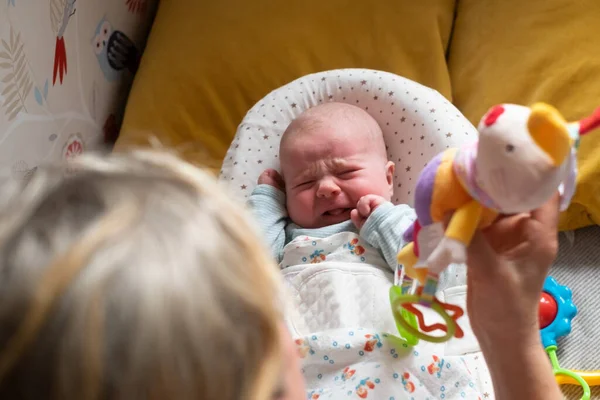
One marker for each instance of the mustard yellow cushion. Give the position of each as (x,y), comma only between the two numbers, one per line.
(535,50)
(207,62)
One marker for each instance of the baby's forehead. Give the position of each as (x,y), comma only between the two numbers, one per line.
(330,128)
(339,112)
(330,125)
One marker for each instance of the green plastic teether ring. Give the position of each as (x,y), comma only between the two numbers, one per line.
(412,330)
(411,319)
(587,393)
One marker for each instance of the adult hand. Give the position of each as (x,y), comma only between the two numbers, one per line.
(507,265)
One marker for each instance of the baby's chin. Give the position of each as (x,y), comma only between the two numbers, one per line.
(326,219)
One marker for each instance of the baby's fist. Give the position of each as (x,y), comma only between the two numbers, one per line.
(272,178)
(365,206)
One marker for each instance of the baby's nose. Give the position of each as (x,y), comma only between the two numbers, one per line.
(328,188)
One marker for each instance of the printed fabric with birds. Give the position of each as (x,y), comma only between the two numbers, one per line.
(61,12)
(114,50)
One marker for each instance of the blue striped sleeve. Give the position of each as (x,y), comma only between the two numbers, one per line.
(268,207)
(384,228)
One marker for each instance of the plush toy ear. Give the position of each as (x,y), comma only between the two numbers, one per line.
(548,129)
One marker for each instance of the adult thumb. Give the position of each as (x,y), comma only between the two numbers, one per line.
(480,255)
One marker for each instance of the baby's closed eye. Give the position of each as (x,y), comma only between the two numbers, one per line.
(346,174)
(305,184)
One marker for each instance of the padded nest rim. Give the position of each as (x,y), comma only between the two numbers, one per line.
(417,123)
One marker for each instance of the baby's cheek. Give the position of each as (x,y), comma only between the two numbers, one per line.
(383,188)
(299,204)
(360,187)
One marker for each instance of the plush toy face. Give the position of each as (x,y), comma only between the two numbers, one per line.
(516,167)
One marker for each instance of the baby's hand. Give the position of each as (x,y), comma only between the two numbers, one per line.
(365,206)
(272,178)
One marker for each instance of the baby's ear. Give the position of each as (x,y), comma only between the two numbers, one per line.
(390,167)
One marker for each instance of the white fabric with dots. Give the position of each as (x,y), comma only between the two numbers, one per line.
(417,123)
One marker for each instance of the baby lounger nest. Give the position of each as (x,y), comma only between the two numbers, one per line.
(417,123)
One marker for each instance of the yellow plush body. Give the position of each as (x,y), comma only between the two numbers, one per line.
(449,197)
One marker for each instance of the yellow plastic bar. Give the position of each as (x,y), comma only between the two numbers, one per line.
(591,377)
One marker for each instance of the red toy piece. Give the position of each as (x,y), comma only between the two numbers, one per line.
(547,311)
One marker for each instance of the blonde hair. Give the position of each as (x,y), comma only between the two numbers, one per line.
(133,276)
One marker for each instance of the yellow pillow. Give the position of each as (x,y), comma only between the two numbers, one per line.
(207,62)
(536,50)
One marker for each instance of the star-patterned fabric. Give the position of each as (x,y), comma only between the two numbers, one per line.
(417,123)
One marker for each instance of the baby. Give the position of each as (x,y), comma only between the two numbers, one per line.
(336,183)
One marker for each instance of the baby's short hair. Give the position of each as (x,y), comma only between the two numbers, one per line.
(313,118)
(133,276)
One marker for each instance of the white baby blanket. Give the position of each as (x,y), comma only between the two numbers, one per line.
(340,317)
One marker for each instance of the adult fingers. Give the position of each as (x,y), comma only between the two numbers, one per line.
(546,231)
(505,224)
(481,257)
(507,232)
(547,214)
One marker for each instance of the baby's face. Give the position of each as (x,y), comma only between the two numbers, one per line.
(328,169)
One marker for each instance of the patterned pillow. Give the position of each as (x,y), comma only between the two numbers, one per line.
(64,69)
(417,123)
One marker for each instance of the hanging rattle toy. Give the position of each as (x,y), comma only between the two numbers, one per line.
(556,311)
(522,156)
